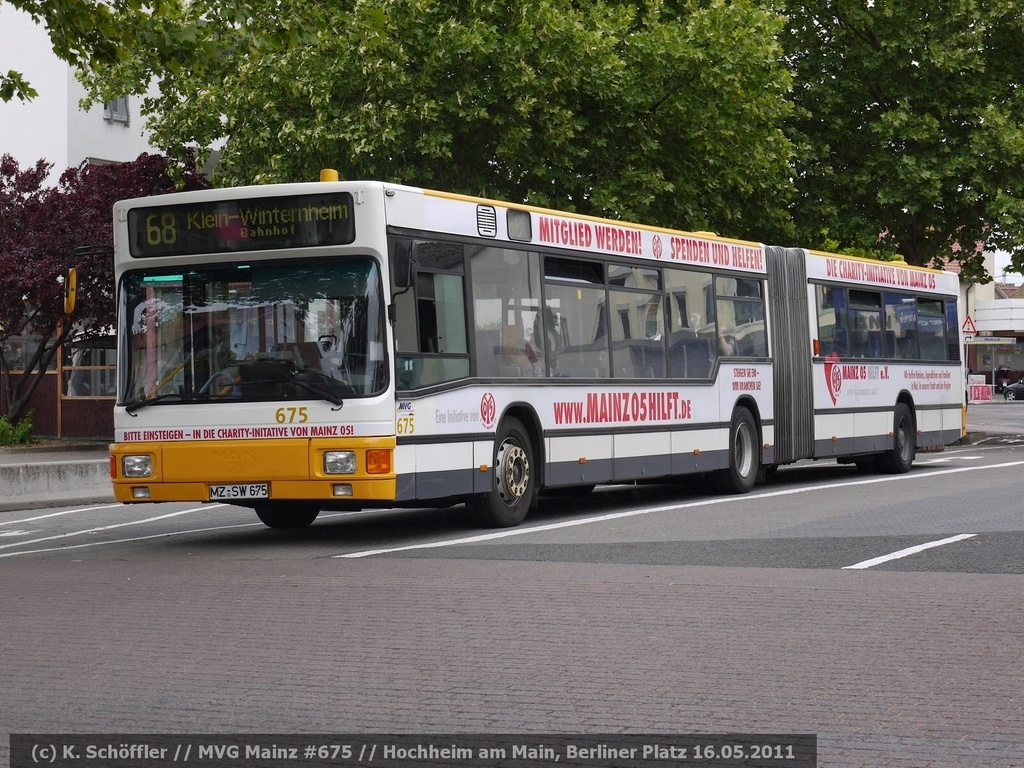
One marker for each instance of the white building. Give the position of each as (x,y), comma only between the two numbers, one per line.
(52,126)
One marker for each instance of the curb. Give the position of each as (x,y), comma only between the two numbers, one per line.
(55,483)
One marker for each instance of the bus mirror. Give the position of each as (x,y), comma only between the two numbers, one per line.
(405,263)
(70,290)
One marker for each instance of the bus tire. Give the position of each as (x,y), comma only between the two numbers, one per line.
(898,459)
(515,479)
(744,455)
(287,515)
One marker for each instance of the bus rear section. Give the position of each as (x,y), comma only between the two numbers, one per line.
(867,359)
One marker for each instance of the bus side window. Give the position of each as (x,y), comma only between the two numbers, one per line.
(506,293)
(908,350)
(889,340)
(441,313)
(840,340)
(430,320)
(408,370)
(933,346)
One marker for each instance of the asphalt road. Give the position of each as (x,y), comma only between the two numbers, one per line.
(884,614)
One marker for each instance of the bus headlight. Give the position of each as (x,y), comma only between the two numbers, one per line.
(339,462)
(137,466)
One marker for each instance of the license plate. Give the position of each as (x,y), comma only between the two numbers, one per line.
(240,491)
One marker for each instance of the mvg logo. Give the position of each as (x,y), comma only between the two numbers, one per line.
(212,751)
(405,407)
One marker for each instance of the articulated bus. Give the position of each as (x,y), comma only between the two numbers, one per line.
(338,345)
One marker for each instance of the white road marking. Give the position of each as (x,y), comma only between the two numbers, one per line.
(908,551)
(58,514)
(165,535)
(522,531)
(466,539)
(109,527)
(945,460)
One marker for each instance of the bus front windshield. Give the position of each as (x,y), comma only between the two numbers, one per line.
(256,331)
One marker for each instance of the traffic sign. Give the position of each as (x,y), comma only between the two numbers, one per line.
(968,326)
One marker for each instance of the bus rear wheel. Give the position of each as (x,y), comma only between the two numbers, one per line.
(900,457)
(515,480)
(744,455)
(287,514)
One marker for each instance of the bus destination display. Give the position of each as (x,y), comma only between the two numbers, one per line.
(227,226)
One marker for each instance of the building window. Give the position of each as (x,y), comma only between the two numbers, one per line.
(116,110)
(89,369)
(18,352)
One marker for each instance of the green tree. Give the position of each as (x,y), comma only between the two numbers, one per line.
(909,127)
(85,33)
(667,113)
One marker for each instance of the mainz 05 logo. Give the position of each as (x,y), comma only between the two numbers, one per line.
(837,373)
(488,410)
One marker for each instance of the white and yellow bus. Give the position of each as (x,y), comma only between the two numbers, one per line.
(350,345)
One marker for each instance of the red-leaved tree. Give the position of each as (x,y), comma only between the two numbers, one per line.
(46,229)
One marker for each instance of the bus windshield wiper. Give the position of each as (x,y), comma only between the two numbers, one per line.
(281,386)
(135,405)
(318,389)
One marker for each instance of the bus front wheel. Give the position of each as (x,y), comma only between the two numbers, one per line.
(744,455)
(284,514)
(515,480)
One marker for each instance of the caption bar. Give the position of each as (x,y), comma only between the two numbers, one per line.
(414,751)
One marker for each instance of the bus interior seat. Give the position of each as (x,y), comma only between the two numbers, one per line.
(889,344)
(648,359)
(691,359)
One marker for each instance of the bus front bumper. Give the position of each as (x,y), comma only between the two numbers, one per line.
(247,472)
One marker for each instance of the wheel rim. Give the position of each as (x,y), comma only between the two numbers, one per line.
(743,450)
(903,440)
(513,472)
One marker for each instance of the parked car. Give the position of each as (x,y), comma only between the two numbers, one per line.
(1014,391)
(1002,378)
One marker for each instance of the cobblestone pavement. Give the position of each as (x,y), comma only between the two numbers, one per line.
(417,645)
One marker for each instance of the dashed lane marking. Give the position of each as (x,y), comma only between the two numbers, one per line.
(908,551)
(750,497)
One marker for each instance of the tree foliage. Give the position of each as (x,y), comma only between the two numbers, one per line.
(909,126)
(80,31)
(667,112)
(87,33)
(41,227)
(907,136)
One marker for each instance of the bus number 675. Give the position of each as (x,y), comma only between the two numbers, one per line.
(292,415)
